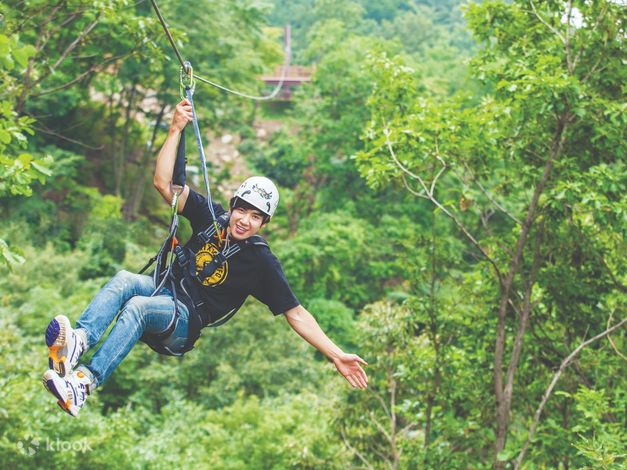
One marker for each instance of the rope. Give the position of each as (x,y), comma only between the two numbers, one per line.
(274,92)
(201,151)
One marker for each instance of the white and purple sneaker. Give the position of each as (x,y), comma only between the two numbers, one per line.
(70,392)
(65,345)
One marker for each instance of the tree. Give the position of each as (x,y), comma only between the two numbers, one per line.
(18,168)
(551,124)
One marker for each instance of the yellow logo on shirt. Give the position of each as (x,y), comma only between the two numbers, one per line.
(204,256)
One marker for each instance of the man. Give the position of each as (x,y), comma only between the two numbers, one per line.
(207,289)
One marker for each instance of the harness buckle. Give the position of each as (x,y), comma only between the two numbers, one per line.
(181,257)
(204,237)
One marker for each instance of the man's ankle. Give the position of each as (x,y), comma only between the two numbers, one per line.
(82,334)
(93,382)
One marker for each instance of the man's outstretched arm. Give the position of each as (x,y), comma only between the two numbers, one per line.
(347,364)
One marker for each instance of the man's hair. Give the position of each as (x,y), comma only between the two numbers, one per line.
(239,202)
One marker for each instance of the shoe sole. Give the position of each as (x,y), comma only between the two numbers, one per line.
(50,385)
(56,340)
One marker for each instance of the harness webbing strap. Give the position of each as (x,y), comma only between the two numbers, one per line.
(219,258)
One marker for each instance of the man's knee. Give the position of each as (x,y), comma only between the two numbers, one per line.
(135,310)
(125,276)
(126,283)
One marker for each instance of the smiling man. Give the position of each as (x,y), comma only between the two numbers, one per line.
(223,263)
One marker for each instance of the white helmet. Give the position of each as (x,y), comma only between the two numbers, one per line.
(260,192)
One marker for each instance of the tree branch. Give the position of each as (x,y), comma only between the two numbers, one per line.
(92,69)
(549,390)
(609,338)
(502,405)
(378,397)
(490,197)
(380,427)
(502,246)
(569,61)
(70,48)
(60,26)
(524,318)
(410,189)
(553,30)
(45,130)
(429,195)
(604,10)
(357,453)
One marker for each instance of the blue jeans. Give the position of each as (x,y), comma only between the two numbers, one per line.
(128,294)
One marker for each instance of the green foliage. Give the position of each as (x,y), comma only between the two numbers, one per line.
(394,108)
(320,261)
(18,168)
(481,159)
(283,160)
(336,319)
(103,235)
(602,436)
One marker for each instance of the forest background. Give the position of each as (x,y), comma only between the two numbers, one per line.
(453,210)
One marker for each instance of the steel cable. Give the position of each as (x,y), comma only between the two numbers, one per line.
(217,85)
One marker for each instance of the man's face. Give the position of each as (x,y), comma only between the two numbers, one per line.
(245,223)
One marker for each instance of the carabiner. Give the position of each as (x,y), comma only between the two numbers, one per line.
(186,79)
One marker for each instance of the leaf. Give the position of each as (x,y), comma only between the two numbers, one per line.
(25,159)
(9,257)
(24,53)
(41,169)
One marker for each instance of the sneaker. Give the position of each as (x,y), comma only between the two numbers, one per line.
(65,346)
(70,392)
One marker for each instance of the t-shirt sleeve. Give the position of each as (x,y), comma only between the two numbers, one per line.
(273,288)
(197,211)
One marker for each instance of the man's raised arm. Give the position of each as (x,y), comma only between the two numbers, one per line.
(167,156)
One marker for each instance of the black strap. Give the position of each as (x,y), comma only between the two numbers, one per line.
(178,175)
(148,264)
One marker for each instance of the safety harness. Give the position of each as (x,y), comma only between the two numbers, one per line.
(184,277)
(176,266)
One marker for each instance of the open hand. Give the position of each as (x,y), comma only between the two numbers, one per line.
(349,366)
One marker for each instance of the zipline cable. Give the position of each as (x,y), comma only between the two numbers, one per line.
(209,82)
(167,33)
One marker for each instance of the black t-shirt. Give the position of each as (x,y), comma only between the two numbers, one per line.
(253,271)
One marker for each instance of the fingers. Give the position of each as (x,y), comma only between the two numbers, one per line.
(182,114)
(363,383)
(355,357)
(362,377)
(357,380)
(184,109)
(360,360)
(349,366)
(351,380)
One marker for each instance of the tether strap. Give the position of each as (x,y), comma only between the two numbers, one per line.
(201,151)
